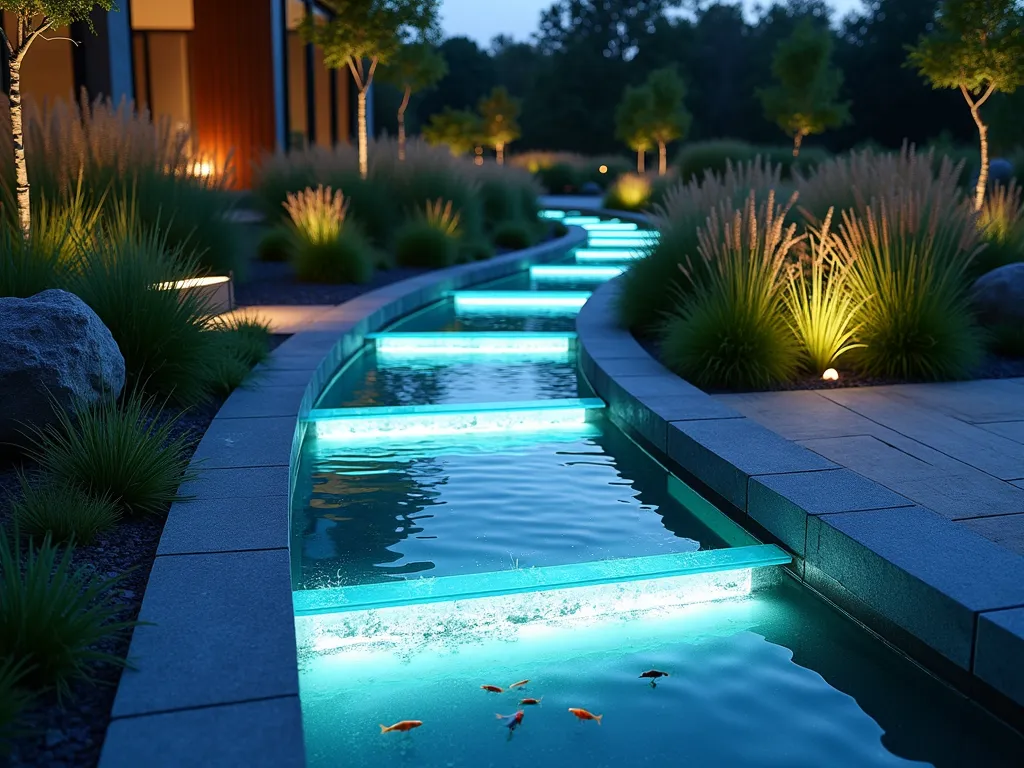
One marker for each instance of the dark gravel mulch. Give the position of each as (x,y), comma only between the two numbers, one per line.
(275,283)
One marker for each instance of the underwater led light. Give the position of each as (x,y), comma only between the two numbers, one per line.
(574,272)
(535,300)
(578,221)
(597,240)
(414,421)
(487,343)
(554,215)
(591,255)
(411,614)
(611,226)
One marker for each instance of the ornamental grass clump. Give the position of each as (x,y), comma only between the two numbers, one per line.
(328,250)
(820,307)
(14,699)
(53,616)
(430,239)
(731,331)
(1001,221)
(64,512)
(907,257)
(127,452)
(650,286)
(318,215)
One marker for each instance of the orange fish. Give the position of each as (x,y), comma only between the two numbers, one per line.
(492,688)
(405,725)
(582,714)
(520,684)
(529,702)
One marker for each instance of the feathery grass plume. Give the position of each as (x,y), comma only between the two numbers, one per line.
(1001,221)
(14,699)
(649,286)
(906,257)
(440,215)
(730,331)
(820,307)
(126,452)
(53,615)
(248,336)
(629,192)
(65,512)
(318,215)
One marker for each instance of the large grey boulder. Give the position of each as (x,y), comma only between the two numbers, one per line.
(998,297)
(53,348)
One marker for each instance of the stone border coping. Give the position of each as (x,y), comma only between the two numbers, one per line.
(908,572)
(217,681)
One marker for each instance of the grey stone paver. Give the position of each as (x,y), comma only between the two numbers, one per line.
(263,401)
(246,442)
(221,631)
(226,525)
(800,415)
(1005,530)
(928,575)
(971,401)
(1000,649)
(232,482)
(965,442)
(1011,430)
(253,734)
(782,503)
(1018,483)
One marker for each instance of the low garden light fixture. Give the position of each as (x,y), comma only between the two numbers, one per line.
(603,169)
(830,374)
(217,290)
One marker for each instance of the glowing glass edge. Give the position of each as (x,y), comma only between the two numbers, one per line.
(591,256)
(576,221)
(192,282)
(519,299)
(409,421)
(611,226)
(574,272)
(552,215)
(451,344)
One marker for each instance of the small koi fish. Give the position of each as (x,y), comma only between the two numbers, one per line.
(492,688)
(405,725)
(520,684)
(511,721)
(529,702)
(654,674)
(582,714)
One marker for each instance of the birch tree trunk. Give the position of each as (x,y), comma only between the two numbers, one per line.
(401,123)
(364,164)
(18,139)
(662,158)
(640,160)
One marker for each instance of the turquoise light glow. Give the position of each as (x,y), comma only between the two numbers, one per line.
(591,256)
(442,344)
(414,421)
(619,241)
(578,221)
(530,300)
(574,272)
(611,226)
(554,215)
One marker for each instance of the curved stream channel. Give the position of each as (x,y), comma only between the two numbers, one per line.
(465,515)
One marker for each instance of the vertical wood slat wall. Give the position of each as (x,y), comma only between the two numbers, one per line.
(233,82)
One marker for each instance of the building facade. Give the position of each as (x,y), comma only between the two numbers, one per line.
(233,72)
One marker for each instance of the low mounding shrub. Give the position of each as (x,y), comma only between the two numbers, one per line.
(348,259)
(629,192)
(731,333)
(277,244)
(52,616)
(907,256)
(431,239)
(514,235)
(475,250)
(13,700)
(650,285)
(559,179)
(63,511)
(126,452)
(1001,222)
(820,307)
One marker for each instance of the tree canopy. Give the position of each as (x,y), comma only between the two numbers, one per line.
(458,129)
(499,124)
(631,121)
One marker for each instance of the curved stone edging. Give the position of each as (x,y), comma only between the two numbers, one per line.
(926,584)
(217,676)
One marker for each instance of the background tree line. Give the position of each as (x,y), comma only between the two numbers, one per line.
(570,77)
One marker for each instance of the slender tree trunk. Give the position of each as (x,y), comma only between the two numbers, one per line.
(798,139)
(18,139)
(499,150)
(640,160)
(364,164)
(979,192)
(662,159)
(401,123)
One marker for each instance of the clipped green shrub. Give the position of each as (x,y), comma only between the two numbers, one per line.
(65,512)
(513,235)
(126,452)
(699,157)
(731,332)
(53,616)
(14,699)
(650,286)
(906,258)
(127,279)
(559,179)
(629,192)
(346,259)
(276,244)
